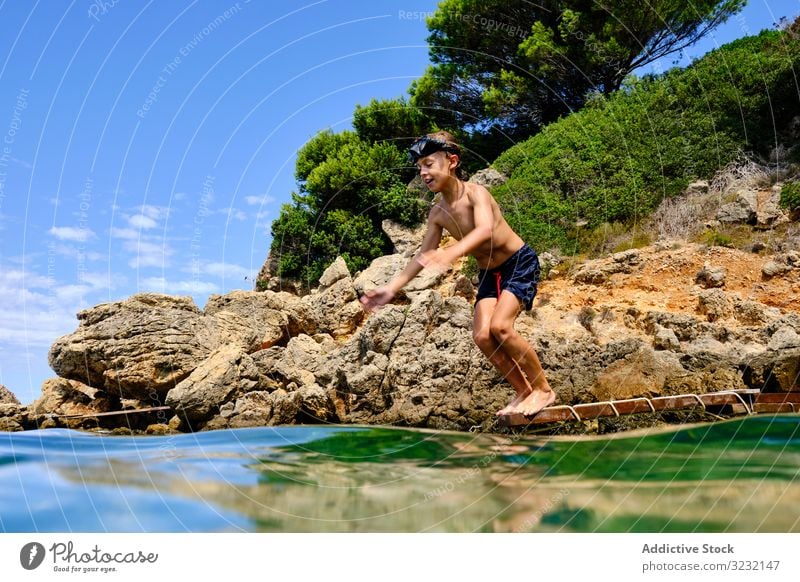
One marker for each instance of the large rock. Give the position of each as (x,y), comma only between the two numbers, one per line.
(775,370)
(781,264)
(258,312)
(488,177)
(12,417)
(769,213)
(225,375)
(710,277)
(414,366)
(406,240)
(598,272)
(742,210)
(384,269)
(758,208)
(335,272)
(714,304)
(62,397)
(144,346)
(643,373)
(335,309)
(6,396)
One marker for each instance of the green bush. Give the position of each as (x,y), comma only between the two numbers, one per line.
(790,196)
(715,238)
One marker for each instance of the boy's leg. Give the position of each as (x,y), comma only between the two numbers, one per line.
(521,352)
(481,334)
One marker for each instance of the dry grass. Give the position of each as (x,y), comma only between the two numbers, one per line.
(743,172)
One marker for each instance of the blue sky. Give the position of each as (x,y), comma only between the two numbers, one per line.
(147,146)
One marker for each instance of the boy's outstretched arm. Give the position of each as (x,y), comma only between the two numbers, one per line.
(382,295)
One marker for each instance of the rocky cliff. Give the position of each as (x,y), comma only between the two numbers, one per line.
(673,317)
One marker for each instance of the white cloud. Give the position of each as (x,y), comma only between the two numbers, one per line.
(262,200)
(76,253)
(71,293)
(99,281)
(71,233)
(154,212)
(142,221)
(124,233)
(35,310)
(147,254)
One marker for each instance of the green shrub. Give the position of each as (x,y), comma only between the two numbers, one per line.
(714,238)
(790,196)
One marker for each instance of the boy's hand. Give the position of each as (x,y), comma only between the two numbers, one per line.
(375,298)
(436,260)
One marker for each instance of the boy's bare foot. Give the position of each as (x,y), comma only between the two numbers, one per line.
(535,401)
(511,406)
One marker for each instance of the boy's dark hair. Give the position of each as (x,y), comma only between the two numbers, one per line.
(441,141)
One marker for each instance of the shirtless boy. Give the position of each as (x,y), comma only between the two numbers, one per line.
(509,269)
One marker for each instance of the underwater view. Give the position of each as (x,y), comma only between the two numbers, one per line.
(734,476)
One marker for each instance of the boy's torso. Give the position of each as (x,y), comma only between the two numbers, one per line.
(458,218)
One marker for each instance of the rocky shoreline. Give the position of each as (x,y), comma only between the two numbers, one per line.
(669,318)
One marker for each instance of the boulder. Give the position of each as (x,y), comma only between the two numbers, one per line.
(643,373)
(62,397)
(710,277)
(774,370)
(414,366)
(335,310)
(263,318)
(488,177)
(759,208)
(697,188)
(6,396)
(144,346)
(714,304)
(406,240)
(226,374)
(769,213)
(665,339)
(384,269)
(742,210)
(784,338)
(335,272)
(599,272)
(12,417)
(774,269)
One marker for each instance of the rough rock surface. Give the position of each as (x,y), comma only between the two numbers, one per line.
(636,323)
(6,396)
(144,346)
(406,241)
(760,208)
(488,177)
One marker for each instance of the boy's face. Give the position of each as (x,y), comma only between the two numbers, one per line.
(436,169)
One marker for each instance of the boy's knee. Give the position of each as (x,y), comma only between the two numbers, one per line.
(502,330)
(483,339)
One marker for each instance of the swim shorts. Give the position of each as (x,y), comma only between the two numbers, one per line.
(519,274)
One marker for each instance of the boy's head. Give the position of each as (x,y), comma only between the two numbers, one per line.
(430,144)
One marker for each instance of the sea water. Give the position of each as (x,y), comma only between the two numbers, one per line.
(733,476)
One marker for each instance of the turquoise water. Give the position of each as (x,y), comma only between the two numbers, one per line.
(734,476)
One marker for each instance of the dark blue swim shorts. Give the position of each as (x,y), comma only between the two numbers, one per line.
(519,274)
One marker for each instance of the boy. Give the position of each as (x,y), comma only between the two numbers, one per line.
(509,268)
